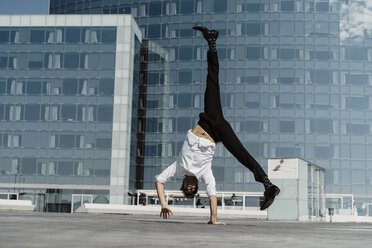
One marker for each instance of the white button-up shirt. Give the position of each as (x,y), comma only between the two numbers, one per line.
(195,159)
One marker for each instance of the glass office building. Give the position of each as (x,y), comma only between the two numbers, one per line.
(66,85)
(296,79)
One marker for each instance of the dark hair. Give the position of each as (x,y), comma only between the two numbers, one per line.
(192,194)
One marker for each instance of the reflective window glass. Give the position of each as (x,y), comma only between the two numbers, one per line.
(357,79)
(28,166)
(184,100)
(68,112)
(106,86)
(72,34)
(183,124)
(155,8)
(252,126)
(105,112)
(108,60)
(4,36)
(103,142)
(70,86)
(357,102)
(108,35)
(2,87)
(185,77)
(254,7)
(65,168)
(219,5)
(287,5)
(3,61)
(357,128)
(2,112)
(322,6)
(185,53)
(35,60)
(187,6)
(253,29)
(71,60)
(32,112)
(37,36)
(287,126)
(252,52)
(323,152)
(66,140)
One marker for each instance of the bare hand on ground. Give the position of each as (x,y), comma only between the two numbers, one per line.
(166,212)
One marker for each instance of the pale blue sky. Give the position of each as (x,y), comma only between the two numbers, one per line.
(24,7)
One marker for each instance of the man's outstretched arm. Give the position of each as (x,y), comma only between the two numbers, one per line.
(166,212)
(213,208)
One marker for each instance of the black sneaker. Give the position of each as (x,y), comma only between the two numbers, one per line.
(269,195)
(207,34)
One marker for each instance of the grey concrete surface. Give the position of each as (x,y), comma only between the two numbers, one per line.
(102,230)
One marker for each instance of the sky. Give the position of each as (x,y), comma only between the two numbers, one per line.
(8,7)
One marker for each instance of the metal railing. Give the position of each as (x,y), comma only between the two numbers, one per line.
(237,199)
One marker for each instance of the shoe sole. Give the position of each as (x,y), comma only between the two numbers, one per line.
(268,203)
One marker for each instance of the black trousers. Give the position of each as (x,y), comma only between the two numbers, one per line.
(214,123)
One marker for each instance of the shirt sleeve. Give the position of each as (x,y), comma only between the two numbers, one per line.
(210,182)
(167,173)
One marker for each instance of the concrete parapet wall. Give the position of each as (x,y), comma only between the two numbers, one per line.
(180,211)
(16,205)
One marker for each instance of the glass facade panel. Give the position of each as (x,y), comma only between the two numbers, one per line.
(297,73)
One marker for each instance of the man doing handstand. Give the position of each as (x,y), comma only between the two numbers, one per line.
(194,162)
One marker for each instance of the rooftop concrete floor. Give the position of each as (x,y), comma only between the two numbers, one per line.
(20,229)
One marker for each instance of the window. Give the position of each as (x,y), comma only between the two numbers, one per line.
(357,79)
(153,31)
(287,126)
(3,61)
(322,6)
(219,6)
(357,128)
(252,127)
(253,29)
(184,100)
(287,5)
(105,112)
(288,54)
(252,52)
(254,7)
(65,168)
(323,152)
(106,86)
(322,126)
(108,35)
(356,54)
(70,86)
(37,36)
(28,166)
(187,6)
(71,60)
(2,87)
(32,112)
(72,35)
(185,53)
(108,61)
(183,124)
(4,36)
(154,8)
(35,60)
(357,102)
(66,140)
(68,112)
(103,142)
(185,77)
